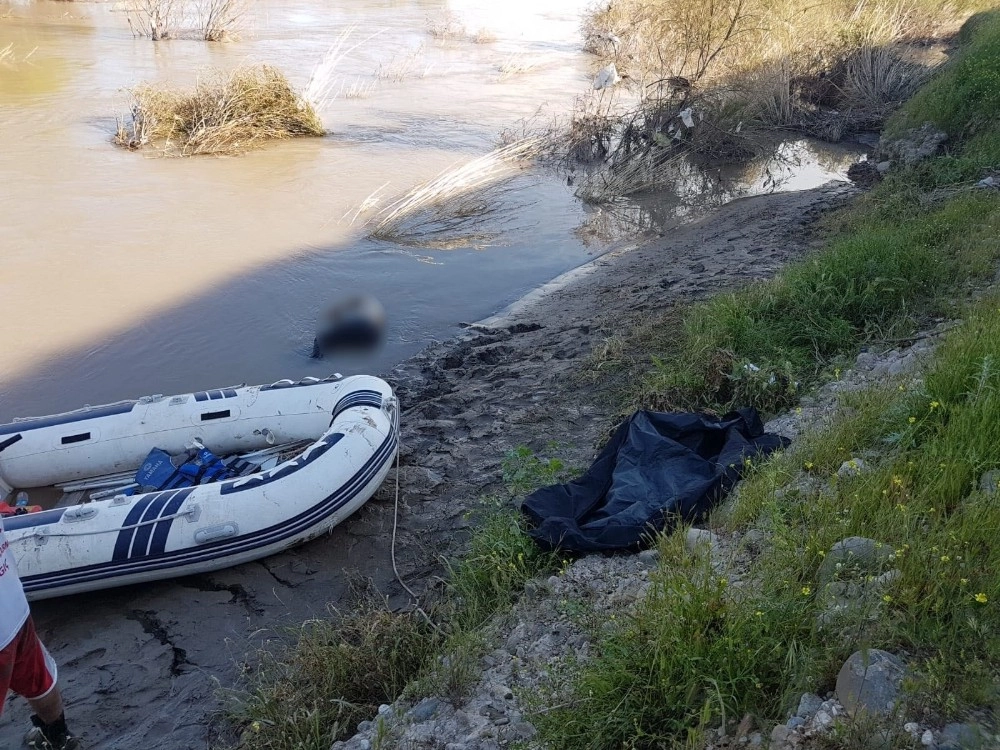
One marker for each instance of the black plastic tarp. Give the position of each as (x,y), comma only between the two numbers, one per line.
(656,469)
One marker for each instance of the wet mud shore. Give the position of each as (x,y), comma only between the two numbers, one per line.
(143,666)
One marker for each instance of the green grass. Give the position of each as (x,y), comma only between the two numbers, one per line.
(698,652)
(893,268)
(335,672)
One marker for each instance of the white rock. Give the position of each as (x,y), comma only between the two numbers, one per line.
(911,727)
(697,537)
(822,719)
(927,738)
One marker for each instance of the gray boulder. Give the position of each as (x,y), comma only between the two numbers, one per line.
(869,682)
(853,468)
(915,145)
(854,557)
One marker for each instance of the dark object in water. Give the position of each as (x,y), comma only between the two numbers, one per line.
(657,469)
(356,324)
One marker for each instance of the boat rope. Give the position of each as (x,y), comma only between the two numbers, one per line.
(46,534)
(392,550)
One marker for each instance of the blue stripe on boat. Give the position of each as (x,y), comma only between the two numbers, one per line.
(27,520)
(124,541)
(141,539)
(225,548)
(159,543)
(81,416)
(201,396)
(283,470)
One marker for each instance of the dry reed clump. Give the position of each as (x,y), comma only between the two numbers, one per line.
(226,113)
(446,27)
(450,208)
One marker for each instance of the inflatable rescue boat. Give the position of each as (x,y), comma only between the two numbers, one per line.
(168,486)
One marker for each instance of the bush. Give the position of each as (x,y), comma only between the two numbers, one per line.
(224,114)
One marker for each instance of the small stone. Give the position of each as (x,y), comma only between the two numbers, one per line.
(988,182)
(649,557)
(912,728)
(423,711)
(364,726)
(809,704)
(756,739)
(779,734)
(384,709)
(553,581)
(698,537)
(822,719)
(870,681)
(516,636)
(927,738)
(794,722)
(883,166)
(755,539)
(853,467)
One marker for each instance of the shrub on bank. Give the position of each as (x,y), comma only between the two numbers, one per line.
(225,113)
(719,77)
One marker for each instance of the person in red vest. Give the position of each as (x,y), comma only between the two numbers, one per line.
(25,666)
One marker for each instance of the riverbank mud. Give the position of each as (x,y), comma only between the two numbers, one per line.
(143,666)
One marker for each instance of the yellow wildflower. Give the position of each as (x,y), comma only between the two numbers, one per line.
(886,598)
(945,558)
(964,581)
(806,591)
(980,597)
(897,480)
(912,420)
(935,404)
(809,465)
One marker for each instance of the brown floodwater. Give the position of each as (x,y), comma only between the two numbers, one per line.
(127,273)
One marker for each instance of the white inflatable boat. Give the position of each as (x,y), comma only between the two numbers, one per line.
(303,456)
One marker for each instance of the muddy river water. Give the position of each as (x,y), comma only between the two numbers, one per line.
(125,273)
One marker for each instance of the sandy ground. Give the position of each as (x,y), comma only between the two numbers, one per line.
(142,667)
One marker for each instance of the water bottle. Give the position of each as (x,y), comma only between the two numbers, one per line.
(22,500)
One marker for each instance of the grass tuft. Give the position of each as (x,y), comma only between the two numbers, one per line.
(339,670)
(226,113)
(457,200)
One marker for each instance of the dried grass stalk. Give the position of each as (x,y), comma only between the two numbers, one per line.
(454,196)
(155,19)
(226,113)
(221,20)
